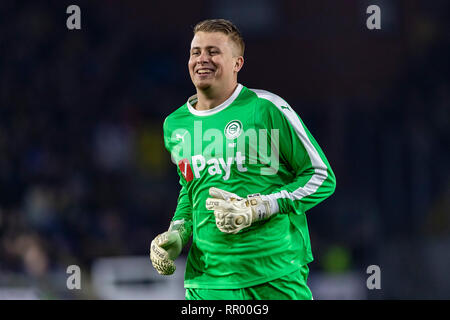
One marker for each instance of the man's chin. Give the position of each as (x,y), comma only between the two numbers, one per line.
(203,85)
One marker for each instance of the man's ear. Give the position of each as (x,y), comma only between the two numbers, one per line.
(238,63)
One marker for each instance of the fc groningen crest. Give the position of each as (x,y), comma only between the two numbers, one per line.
(233,129)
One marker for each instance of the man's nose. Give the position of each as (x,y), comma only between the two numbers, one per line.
(202,58)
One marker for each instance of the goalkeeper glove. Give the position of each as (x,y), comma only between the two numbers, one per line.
(234,213)
(166,247)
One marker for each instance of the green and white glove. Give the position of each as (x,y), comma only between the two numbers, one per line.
(234,213)
(167,246)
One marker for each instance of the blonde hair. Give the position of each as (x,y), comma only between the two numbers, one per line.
(224,26)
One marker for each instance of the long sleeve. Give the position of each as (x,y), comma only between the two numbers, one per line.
(183,210)
(183,213)
(313,179)
(184,206)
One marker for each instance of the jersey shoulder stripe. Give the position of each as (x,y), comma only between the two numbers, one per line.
(320,168)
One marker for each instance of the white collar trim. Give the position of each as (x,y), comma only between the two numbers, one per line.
(220,107)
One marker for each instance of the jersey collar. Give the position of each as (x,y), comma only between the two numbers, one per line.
(193,100)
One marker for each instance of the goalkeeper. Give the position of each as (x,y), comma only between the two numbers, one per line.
(249,170)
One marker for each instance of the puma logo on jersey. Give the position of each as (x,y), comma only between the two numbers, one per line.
(180,137)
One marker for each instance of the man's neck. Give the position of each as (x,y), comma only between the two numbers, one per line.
(209,99)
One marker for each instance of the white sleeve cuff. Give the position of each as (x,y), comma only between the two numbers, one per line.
(274,208)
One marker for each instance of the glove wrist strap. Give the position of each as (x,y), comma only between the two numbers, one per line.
(261,205)
(273,204)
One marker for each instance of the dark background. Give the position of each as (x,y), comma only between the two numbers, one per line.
(84,173)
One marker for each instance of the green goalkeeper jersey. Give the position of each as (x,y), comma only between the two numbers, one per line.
(254,142)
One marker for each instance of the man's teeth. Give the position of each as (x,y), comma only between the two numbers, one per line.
(203,71)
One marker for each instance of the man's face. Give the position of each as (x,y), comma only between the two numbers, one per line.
(213,60)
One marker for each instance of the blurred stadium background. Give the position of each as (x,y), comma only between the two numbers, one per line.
(85,179)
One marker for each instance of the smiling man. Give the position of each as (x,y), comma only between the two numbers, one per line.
(215,60)
(249,170)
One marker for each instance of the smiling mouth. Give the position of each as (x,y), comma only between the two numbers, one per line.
(204,71)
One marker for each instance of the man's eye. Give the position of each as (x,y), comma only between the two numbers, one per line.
(214,52)
(195,53)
